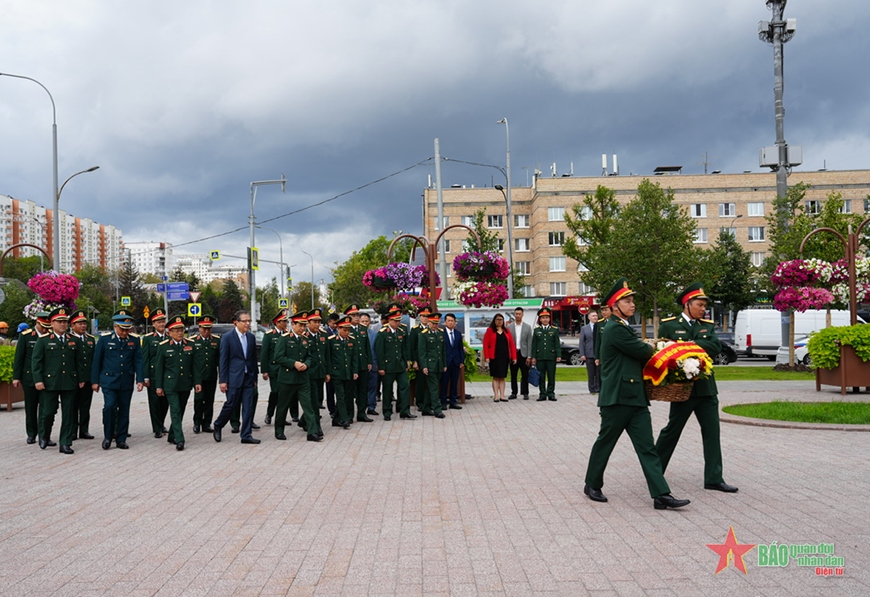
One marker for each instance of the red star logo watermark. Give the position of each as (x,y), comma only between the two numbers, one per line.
(730,551)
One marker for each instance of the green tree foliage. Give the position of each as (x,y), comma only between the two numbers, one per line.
(729,272)
(129,284)
(97,291)
(23,268)
(231,301)
(192,280)
(12,308)
(267,298)
(347,286)
(301,296)
(591,227)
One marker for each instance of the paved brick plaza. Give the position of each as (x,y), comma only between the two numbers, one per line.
(486,502)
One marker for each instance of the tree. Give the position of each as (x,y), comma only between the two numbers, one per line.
(97,291)
(230,302)
(347,286)
(301,296)
(12,307)
(592,227)
(130,285)
(729,271)
(267,298)
(489,241)
(22,268)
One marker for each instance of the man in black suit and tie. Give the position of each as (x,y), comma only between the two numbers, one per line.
(587,351)
(522,334)
(455,360)
(238,376)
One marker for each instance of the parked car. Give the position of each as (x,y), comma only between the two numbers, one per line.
(801,355)
(570,354)
(726,356)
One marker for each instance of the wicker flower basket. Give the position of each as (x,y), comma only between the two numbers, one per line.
(675,392)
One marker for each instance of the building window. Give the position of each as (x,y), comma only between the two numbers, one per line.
(500,245)
(446,220)
(585,213)
(756,234)
(814,207)
(558,288)
(528,291)
(731,231)
(556,214)
(524,267)
(755,209)
(521,221)
(557,239)
(557,264)
(757,258)
(522,244)
(444,243)
(698,210)
(586,289)
(847,207)
(494,221)
(468,221)
(727,210)
(700,235)
(866,205)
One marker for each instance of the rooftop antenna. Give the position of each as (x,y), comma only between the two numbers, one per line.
(603,164)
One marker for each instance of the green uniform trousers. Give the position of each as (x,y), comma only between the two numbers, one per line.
(32,420)
(432,397)
(177,405)
(47,410)
(706,409)
(157,408)
(421,389)
(547,387)
(361,394)
(310,420)
(82,408)
(316,391)
(637,422)
(344,393)
(403,403)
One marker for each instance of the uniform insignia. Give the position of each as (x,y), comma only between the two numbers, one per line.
(132,334)
(164,342)
(708,321)
(332,337)
(28,331)
(216,336)
(668,319)
(186,347)
(680,331)
(101,335)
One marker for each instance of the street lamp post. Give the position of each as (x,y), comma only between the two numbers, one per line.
(57,264)
(507,130)
(252,282)
(312,276)
(283,265)
(510,240)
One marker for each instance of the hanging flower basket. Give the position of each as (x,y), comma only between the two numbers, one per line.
(401,276)
(53,290)
(480,266)
(481,293)
(409,303)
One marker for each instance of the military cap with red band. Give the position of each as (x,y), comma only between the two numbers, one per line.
(206,321)
(692,291)
(545,311)
(299,317)
(281,316)
(175,322)
(345,322)
(620,290)
(59,314)
(352,310)
(78,316)
(158,314)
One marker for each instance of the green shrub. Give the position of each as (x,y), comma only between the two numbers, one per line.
(7,358)
(824,345)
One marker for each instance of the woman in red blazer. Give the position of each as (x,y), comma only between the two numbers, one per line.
(499,349)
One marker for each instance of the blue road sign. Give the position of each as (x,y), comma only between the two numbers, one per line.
(177,286)
(161,288)
(177,296)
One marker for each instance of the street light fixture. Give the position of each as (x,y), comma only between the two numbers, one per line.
(498,187)
(507,129)
(283,265)
(312,277)
(252,282)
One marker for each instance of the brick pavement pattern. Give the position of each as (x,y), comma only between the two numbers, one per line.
(366,513)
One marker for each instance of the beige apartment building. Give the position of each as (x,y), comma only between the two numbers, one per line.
(738,202)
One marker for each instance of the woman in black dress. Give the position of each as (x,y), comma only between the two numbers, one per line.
(499,349)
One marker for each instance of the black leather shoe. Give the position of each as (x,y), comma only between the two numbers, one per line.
(512,397)
(207,429)
(250,441)
(594,494)
(428,413)
(216,434)
(66,450)
(107,443)
(319,434)
(525,396)
(387,418)
(158,434)
(31,440)
(196,428)
(179,446)
(372,412)
(408,416)
(235,430)
(541,399)
(314,438)
(122,445)
(268,420)
(455,407)
(295,419)
(721,487)
(50,443)
(254,426)
(552,398)
(663,502)
(280,436)
(440,415)
(85,435)
(364,420)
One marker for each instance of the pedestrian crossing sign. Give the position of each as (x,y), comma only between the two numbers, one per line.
(214,255)
(283,303)
(126,301)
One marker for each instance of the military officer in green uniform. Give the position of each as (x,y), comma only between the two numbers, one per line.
(623,403)
(292,355)
(546,352)
(175,374)
(319,368)
(267,361)
(432,357)
(157,405)
(57,371)
(363,362)
(341,357)
(84,396)
(691,326)
(420,387)
(391,347)
(207,348)
(603,316)
(22,375)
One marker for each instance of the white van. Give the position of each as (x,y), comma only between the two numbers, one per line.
(758,332)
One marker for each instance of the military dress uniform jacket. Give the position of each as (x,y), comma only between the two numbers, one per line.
(413,344)
(88,345)
(22,367)
(288,349)
(117,363)
(392,350)
(175,370)
(341,356)
(206,356)
(431,350)
(363,347)
(703,334)
(57,362)
(623,356)
(267,357)
(317,350)
(546,345)
(150,342)
(596,338)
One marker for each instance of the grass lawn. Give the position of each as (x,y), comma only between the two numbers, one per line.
(726,373)
(850,413)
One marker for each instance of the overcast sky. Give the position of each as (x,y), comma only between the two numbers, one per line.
(183,104)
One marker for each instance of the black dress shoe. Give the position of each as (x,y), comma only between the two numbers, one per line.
(541,399)
(440,415)
(594,494)
(107,443)
(280,436)
(319,434)
(31,440)
(663,502)
(217,434)
(295,419)
(50,443)
(268,420)
(42,444)
(66,450)
(387,418)
(250,441)
(85,435)
(721,487)
(179,446)
(122,445)
(364,419)
(235,429)
(196,428)
(254,426)
(455,407)
(207,429)
(525,396)
(552,398)
(314,438)
(165,430)
(158,434)
(408,416)
(428,413)
(372,412)
(512,397)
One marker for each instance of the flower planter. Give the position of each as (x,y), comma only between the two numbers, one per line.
(851,372)
(10,394)
(381,283)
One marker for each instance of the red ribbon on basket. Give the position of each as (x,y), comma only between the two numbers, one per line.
(656,368)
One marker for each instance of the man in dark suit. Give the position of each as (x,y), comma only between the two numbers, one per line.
(238,376)
(587,351)
(455,361)
(522,335)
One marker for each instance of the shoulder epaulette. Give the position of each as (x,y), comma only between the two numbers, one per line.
(270,331)
(708,321)
(384,329)
(426,331)
(106,334)
(332,336)
(285,334)
(192,337)
(668,319)
(164,342)
(131,334)
(27,331)
(90,335)
(215,335)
